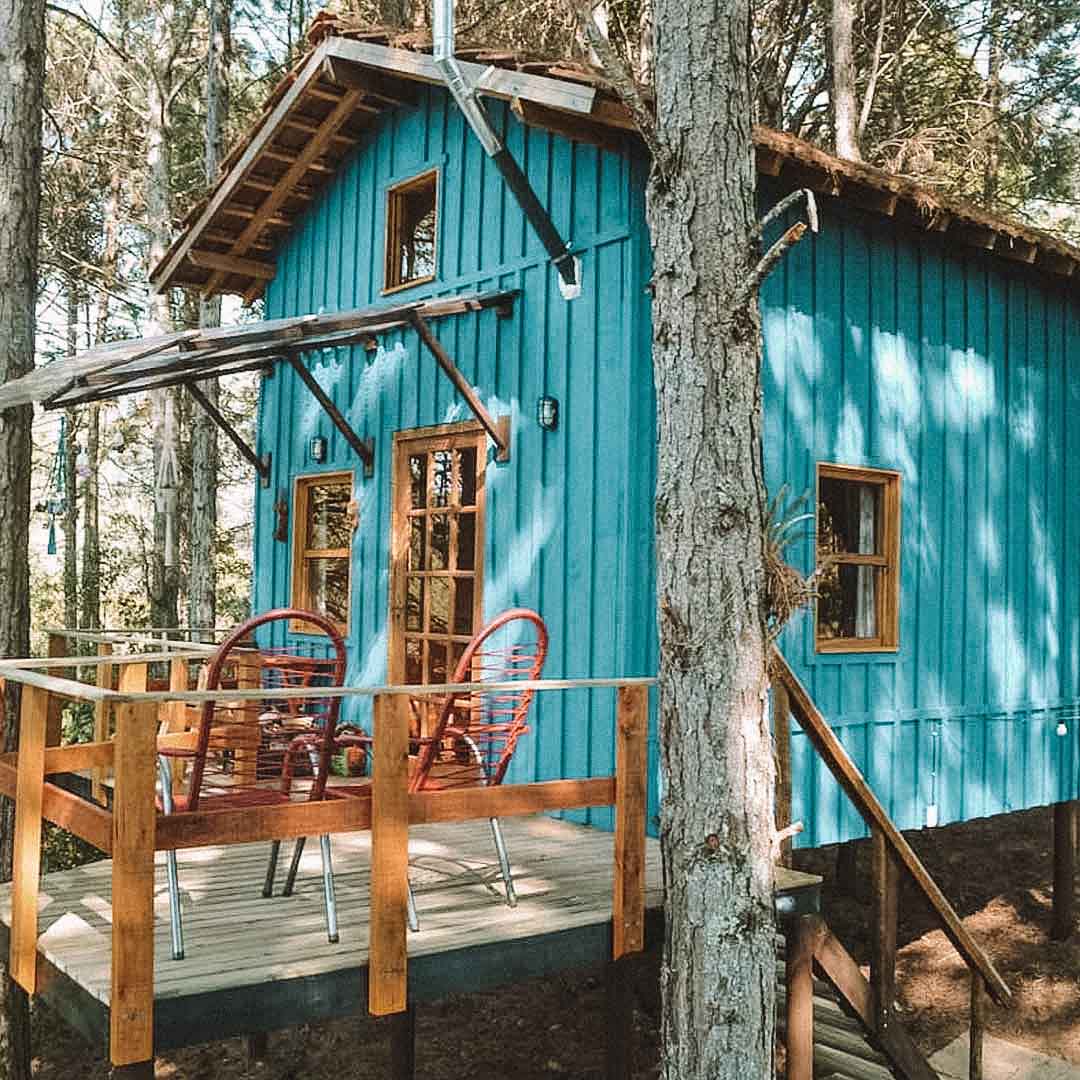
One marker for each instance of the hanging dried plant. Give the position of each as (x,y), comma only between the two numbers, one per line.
(786,588)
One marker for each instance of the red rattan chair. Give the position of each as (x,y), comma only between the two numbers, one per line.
(476,733)
(259,751)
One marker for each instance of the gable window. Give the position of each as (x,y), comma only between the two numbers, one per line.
(411,231)
(322,544)
(858,559)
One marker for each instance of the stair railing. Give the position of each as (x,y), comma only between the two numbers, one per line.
(810,943)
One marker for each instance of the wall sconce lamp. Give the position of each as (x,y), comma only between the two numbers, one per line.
(317,449)
(547,413)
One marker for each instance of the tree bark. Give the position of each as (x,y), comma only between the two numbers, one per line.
(22,60)
(717,818)
(992,163)
(69,525)
(845,109)
(202,582)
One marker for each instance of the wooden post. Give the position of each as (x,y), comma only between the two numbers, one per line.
(403,1044)
(847,870)
(258,1046)
(1065,829)
(978,1026)
(886,885)
(54,730)
(799,972)
(102,722)
(631,735)
(620,1016)
(387,951)
(26,861)
(781,704)
(131,1013)
(174,716)
(248,675)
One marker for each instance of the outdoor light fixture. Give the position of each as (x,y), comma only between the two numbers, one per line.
(547,413)
(317,449)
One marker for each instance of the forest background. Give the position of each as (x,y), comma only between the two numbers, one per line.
(144,97)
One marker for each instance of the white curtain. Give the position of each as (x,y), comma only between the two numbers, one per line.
(865,607)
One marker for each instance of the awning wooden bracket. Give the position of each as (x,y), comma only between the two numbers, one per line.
(260,464)
(365,448)
(498,429)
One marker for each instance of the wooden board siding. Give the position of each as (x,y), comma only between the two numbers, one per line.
(569,518)
(889,349)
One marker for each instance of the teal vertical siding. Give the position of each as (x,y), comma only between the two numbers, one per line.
(569,519)
(887,348)
(883,347)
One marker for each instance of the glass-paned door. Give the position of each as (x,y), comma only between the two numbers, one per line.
(437,550)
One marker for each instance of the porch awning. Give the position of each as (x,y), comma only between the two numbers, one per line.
(129,367)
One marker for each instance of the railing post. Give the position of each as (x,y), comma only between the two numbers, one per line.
(801,935)
(54,729)
(886,886)
(131,1011)
(781,708)
(387,950)
(631,751)
(102,721)
(1065,829)
(26,860)
(174,715)
(978,1025)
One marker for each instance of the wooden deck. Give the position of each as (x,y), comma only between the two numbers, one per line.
(255,964)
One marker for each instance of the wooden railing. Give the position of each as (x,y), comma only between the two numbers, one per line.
(810,943)
(132,831)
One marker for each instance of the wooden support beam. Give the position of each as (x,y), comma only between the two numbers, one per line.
(131,1012)
(403,1043)
(260,464)
(886,886)
(571,125)
(102,719)
(248,213)
(781,710)
(801,938)
(288,157)
(305,160)
(498,430)
(768,161)
(26,861)
(380,88)
(365,449)
(234,264)
(54,731)
(1063,922)
(62,808)
(978,1027)
(619,1006)
(631,753)
(388,960)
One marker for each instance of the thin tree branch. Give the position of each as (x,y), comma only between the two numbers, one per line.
(89,24)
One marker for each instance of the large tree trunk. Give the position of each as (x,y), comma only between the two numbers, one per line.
(22,61)
(164,580)
(845,109)
(717,816)
(69,524)
(202,587)
(992,163)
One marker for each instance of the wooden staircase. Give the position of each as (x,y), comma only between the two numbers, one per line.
(845,1026)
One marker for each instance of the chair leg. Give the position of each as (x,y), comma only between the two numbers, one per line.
(410,909)
(176,924)
(271,868)
(328,890)
(504,862)
(294,866)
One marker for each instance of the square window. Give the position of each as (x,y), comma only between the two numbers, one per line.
(858,559)
(411,231)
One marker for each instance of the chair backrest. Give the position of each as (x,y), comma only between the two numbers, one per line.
(253,739)
(475,735)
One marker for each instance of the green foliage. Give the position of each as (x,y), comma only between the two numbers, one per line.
(61,850)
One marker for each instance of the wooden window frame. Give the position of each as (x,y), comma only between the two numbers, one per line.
(297,590)
(887,596)
(429,439)
(391,247)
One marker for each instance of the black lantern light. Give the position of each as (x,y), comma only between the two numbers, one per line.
(547,413)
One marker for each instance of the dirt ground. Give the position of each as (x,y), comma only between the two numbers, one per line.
(995,871)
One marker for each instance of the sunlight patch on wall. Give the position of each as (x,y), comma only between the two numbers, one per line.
(971,398)
(1009,660)
(376,377)
(850,445)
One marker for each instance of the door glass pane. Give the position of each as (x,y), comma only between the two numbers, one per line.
(847,601)
(414,666)
(440,542)
(437,661)
(418,480)
(328,523)
(466,465)
(440,478)
(416,543)
(466,553)
(463,604)
(439,612)
(848,516)
(414,604)
(327,587)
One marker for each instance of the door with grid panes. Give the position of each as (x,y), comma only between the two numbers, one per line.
(437,552)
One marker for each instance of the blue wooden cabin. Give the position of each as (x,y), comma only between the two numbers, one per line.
(920,385)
